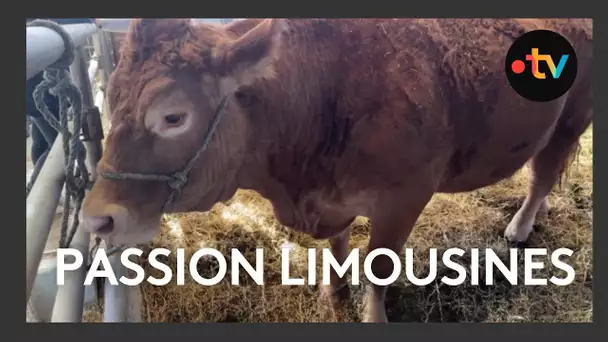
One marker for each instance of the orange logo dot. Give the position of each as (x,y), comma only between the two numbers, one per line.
(518,66)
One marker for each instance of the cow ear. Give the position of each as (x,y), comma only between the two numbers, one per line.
(250,57)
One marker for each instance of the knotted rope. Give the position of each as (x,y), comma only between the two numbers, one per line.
(58,82)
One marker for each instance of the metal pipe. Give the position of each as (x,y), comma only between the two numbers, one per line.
(41,205)
(93,68)
(99,51)
(30,313)
(100,103)
(80,77)
(113,25)
(44,46)
(121,25)
(69,300)
(134,302)
(116,304)
(108,52)
(100,42)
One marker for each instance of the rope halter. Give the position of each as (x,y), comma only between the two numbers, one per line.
(178,179)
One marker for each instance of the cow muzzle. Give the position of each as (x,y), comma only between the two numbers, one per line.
(117,226)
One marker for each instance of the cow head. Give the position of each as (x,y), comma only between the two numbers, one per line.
(171,77)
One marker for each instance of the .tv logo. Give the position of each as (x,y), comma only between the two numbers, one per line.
(518,66)
(532,57)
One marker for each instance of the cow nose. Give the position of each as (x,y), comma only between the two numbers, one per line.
(99,225)
(110,220)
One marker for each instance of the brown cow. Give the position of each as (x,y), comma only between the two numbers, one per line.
(329,119)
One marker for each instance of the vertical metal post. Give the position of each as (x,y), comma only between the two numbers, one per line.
(113,42)
(111,52)
(134,300)
(100,42)
(80,76)
(93,68)
(115,306)
(30,314)
(69,301)
(91,123)
(41,205)
(115,296)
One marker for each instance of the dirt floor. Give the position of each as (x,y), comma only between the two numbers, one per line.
(469,220)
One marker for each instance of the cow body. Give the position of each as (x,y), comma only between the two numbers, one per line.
(330,119)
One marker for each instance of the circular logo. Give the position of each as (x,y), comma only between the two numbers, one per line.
(541,65)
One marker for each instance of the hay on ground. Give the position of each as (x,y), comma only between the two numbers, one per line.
(469,220)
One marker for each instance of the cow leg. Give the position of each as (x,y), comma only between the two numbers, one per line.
(338,291)
(544,207)
(543,176)
(546,167)
(392,223)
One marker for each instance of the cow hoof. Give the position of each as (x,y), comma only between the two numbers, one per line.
(340,294)
(377,317)
(518,231)
(337,301)
(338,298)
(375,312)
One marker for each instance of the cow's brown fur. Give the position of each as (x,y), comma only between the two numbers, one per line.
(330,119)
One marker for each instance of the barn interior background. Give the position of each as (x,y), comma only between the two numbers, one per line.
(469,220)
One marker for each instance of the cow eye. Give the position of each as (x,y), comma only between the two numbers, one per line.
(174,119)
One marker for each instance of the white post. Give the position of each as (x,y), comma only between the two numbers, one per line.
(100,42)
(134,300)
(115,305)
(69,300)
(41,206)
(93,67)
